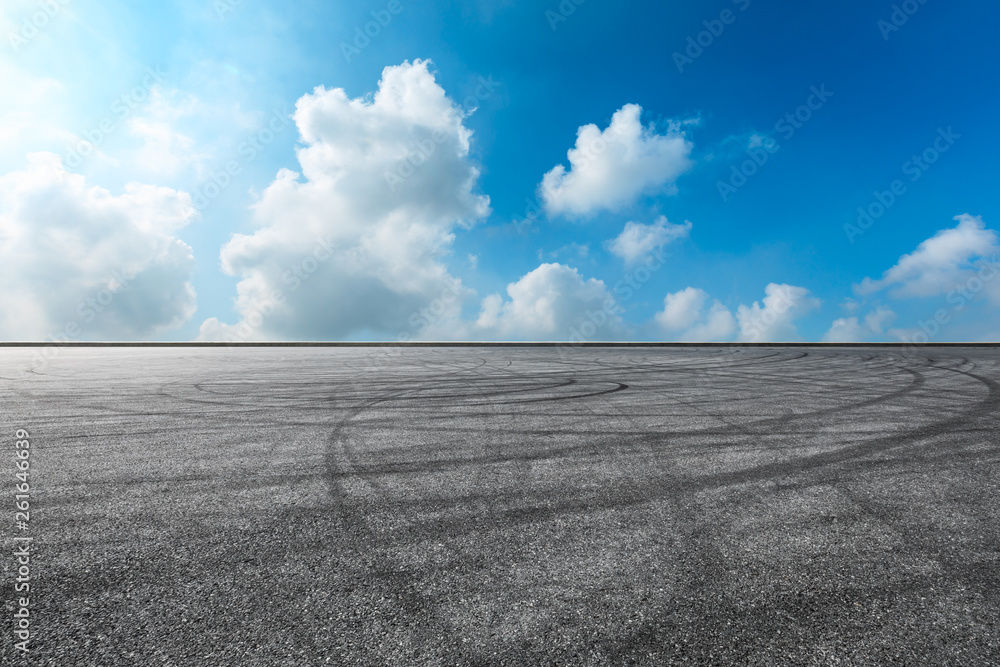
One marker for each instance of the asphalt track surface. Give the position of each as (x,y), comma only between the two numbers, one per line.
(491,506)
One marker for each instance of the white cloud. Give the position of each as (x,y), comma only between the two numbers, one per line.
(688,316)
(638,241)
(717,325)
(81,263)
(845,330)
(941,263)
(573,249)
(681,309)
(354,245)
(877,319)
(552,302)
(610,169)
(757,140)
(774,320)
(850,305)
(859,330)
(213,329)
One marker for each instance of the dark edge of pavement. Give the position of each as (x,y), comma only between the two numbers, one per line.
(479,344)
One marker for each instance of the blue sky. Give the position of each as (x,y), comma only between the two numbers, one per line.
(241,170)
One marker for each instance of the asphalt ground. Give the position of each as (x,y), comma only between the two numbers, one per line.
(507,506)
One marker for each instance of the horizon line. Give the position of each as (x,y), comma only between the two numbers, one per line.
(84,344)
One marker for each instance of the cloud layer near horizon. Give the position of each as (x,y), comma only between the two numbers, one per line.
(82,263)
(552,302)
(688,315)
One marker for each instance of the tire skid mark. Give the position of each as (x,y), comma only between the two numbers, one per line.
(808,465)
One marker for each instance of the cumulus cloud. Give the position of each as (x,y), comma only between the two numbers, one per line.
(942,263)
(877,319)
(81,263)
(610,169)
(638,241)
(354,244)
(689,317)
(845,330)
(681,309)
(854,329)
(773,319)
(552,302)
(692,315)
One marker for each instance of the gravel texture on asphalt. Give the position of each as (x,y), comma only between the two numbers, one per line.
(508,506)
